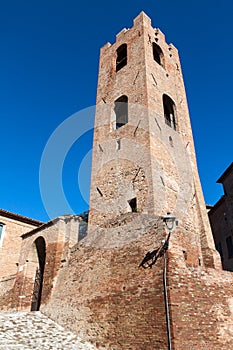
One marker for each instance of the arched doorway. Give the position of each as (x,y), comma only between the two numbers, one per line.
(39,249)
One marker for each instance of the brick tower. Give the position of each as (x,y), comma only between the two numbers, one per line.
(143,153)
(110,287)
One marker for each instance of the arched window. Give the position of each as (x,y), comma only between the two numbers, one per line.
(121,111)
(169,111)
(158,54)
(121,60)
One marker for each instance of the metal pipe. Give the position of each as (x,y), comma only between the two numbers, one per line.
(166,302)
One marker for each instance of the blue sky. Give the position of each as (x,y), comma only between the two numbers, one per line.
(48,71)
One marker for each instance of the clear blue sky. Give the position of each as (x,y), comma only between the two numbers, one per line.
(48,71)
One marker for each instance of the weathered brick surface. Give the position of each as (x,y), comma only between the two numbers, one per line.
(59,236)
(164,157)
(105,296)
(10,243)
(221,218)
(201,307)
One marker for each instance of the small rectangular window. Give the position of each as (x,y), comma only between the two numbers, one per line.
(219,249)
(169,111)
(121,111)
(121,60)
(1,229)
(1,232)
(229,247)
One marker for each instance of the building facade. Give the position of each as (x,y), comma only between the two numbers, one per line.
(12,226)
(221,220)
(37,253)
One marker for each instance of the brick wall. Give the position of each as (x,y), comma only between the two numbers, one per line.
(201,307)
(59,235)
(221,219)
(103,295)
(10,243)
(106,297)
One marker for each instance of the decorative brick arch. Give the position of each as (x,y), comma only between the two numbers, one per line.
(30,278)
(46,249)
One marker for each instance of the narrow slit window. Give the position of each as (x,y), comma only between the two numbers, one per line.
(229,247)
(219,249)
(158,54)
(169,112)
(121,111)
(185,254)
(133,204)
(1,230)
(171,141)
(121,60)
(2,227)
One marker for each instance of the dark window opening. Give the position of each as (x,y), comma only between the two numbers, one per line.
(158,54)
(169,112)
(185,254)
(133,204)
(39,277)
(121,111)
(229,247)
(121,60)
(219,249)
(171,141)
(1,230)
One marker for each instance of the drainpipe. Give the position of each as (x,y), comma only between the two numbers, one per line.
(169,221)
(166,301)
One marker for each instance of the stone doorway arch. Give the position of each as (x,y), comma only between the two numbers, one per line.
(36,259)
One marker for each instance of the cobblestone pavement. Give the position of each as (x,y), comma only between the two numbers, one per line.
(33,330)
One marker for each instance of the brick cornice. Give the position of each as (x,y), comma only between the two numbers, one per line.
(21,218)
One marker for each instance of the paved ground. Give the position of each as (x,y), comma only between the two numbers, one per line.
(33,330)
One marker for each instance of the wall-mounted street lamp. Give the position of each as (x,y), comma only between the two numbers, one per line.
(169,221)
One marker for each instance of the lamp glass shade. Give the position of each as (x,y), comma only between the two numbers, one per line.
(169,221)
